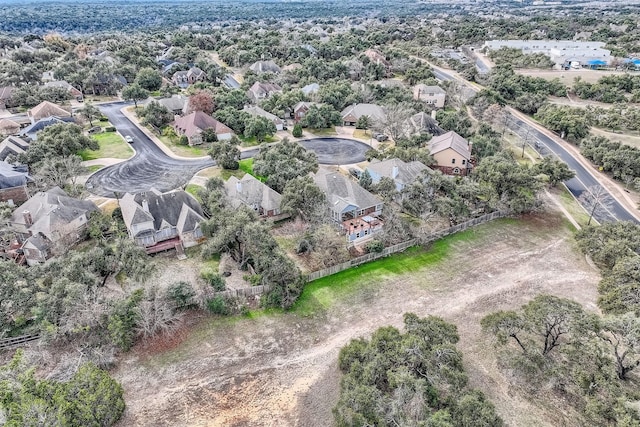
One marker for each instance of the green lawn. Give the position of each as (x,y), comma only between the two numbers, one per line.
(193,190)
(321,294)
(112,146)
(246,166)
(571,205)
(323,132)
(252,142)
(185,150)
(94,168)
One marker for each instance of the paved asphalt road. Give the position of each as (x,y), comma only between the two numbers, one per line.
(613,210)
(150,167)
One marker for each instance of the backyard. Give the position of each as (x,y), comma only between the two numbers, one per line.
(280,368)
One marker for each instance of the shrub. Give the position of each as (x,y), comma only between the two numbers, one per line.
(110,129)
(214,279)
(182,293)
(183,140)
(376,246)
(218,305)
(297,130)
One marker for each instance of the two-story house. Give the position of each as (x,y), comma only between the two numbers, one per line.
(250,192)
(431,95)
(259,91)
(51,220)
(184,79)
(160,221)
(353,208)
(452,153)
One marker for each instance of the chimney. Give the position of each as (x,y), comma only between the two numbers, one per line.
(239,186)
(433,114)
(394,172)
(145,205)
(28,219)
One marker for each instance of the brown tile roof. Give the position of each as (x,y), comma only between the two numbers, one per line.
(48,109)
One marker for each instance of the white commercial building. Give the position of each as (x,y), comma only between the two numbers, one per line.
(561,52)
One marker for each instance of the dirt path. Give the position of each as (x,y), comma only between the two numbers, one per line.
(281,370)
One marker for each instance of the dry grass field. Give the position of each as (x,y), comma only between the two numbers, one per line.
(280,369)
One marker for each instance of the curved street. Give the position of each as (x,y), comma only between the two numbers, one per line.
(151,167)
(613,209)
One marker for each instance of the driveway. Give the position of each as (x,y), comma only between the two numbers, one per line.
(151,167)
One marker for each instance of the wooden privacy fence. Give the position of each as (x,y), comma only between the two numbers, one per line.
(244,292)
(400,247)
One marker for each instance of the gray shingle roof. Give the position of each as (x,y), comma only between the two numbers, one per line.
(162,208)
(342,191)
(264,67)
(12,176)
(12,145)
(406,172)
(375,112)
(250,191)
(257,111)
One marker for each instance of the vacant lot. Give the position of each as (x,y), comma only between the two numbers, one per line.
(280,369)
(567,76)
(112,146)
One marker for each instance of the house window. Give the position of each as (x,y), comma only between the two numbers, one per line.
(366,232)
(453,161)
(456,171)
(357,235)
(463,161)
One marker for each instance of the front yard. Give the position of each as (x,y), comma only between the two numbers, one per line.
(112,146)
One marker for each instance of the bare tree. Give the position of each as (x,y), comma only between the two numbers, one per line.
(595,200)
(393,124)
(156,315)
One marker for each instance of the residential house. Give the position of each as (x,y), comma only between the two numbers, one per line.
(9,127)
(311,89)
(5,96)
(47,109)
(161,221)
(452,154)
(12,146)
(351,114)
(13,183)
(431,95)
(184,79)
(51,217)
(260,91)
(402,173)
(192,125)
(259,67)
(65,85)
(300,110)
(377,57)
(32,130)
(353,208)
(176,104)
(259,112)
(250,192)
(422,123)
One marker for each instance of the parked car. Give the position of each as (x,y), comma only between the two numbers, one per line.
(355,172)
(128,139)
(95,129)
(380,137)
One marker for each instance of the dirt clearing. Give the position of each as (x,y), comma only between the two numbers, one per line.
(281,369)
(567,76)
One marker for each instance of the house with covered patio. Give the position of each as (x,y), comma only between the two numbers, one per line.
(355,210)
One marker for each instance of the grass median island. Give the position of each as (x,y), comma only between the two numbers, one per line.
(112,146)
